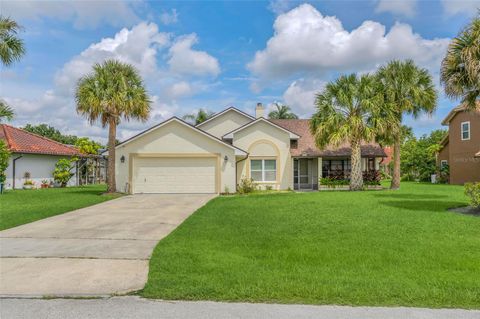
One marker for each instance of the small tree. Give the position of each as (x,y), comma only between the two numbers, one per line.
(87,146)
(472,190)
(63,171)
(4,156)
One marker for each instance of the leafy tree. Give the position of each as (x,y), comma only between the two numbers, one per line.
(282,112)
(87,146)
(419,155)
(114,91)
(4,156)
(12,47)
(201,116)
(407,89)
(63,171)
(350,109)
(51,133)
(6,112)
(460,72)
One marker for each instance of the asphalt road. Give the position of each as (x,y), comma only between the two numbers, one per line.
(134,307)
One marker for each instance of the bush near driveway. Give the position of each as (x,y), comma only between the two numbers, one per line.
(379,248)
(19,207)
(472,190)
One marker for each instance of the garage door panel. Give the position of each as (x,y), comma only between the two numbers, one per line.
(174,175)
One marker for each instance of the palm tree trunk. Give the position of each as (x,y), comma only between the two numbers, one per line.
(356,178)
(112,134)
(395,184)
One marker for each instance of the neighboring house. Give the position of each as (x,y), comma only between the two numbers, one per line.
(212,157)
(461,147)
(32,154)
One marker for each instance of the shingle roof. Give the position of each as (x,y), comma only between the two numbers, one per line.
(306,143)
(454,111)
(20,141)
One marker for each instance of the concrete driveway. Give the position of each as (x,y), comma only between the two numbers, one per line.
(94,251)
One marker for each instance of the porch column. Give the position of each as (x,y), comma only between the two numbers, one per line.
(319,168)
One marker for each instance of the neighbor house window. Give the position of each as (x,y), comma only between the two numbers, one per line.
(465,130)
(264,170)
(443,163)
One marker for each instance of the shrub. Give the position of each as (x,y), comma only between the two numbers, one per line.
(246,186)
(333,181)
(62,172)
(443,176)
(4,156)
(268,187)
(372,177)
(472,190)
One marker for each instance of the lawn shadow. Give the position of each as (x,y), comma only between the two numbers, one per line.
(409,196)
(423,205)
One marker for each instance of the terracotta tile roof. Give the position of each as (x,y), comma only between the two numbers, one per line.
(389,152)
(306,143)
(20,141)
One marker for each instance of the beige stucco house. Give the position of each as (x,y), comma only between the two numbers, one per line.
(212,157)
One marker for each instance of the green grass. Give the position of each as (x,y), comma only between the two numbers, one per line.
(24,206)
(353,248)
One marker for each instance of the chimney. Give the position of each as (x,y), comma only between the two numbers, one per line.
(259,110)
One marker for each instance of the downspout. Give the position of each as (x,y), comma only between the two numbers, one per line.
(13,168)
(236,165)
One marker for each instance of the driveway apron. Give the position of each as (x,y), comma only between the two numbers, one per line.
(95,251)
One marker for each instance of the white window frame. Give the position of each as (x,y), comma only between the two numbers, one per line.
(443,163)
(263,170)
(462,131)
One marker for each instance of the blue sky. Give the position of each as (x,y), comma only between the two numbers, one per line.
(217,54)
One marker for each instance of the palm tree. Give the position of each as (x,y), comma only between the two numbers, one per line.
(460,72)
(11,46)
(201,116)
(6,112)
(114,91)
(407,89)
(282,112)
(350,109)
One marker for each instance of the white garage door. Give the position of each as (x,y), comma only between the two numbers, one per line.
(174,175)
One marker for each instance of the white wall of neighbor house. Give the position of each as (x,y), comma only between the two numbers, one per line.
(224,123)
(39,166)
(174,139)
(264,141)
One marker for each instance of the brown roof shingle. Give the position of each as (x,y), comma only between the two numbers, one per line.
(20,141)
(306,143)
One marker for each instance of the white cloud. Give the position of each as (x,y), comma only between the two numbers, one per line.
(137,46)
(186,61)
(280,6)
(169,17)
(305,41)
(179,89)
(143,46)
(84,14)
(407,8)
(300,95)
(453,7)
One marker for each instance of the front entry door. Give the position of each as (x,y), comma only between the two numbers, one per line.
(303,177)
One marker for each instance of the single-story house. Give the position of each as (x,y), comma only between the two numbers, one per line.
(213,156)
(460,149)
(34,156)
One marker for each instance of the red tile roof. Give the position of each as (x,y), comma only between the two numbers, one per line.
(306,143)
(20,141)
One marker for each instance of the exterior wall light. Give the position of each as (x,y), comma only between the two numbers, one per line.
(122,159)
(225,158)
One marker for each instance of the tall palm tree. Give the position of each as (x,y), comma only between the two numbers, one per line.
(460,72)
(407,89)
(114,91)
(11,46)
(201,116)
(350,109)
(282,112)
(6,112)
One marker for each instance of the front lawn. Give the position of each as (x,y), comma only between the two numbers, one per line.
(24,206)
(352,248)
